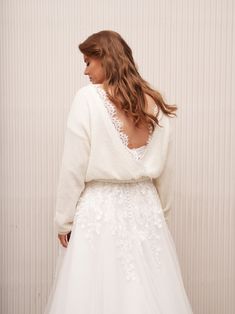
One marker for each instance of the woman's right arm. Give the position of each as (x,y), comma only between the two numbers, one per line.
(74,163)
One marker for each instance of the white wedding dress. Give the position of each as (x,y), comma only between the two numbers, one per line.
(121,258)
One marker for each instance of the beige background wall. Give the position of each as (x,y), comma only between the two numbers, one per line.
(185,49)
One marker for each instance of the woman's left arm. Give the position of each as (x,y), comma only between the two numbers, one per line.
(165,182)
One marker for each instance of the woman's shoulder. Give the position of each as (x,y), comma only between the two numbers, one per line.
(165,122)
(85,95)
(79,106)
(154,109)
(82,96)
(86,89)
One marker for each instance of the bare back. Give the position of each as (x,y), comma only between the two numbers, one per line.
(137,136)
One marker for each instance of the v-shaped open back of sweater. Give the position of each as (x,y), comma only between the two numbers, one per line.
(94,150)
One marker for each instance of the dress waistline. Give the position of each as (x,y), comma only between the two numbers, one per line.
(141,179)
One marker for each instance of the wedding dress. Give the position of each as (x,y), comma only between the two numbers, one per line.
(121,258)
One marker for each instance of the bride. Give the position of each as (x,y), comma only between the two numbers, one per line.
(117,255)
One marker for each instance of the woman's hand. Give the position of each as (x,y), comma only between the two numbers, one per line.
(63,239)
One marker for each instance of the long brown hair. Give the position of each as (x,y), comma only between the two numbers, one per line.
(121,74)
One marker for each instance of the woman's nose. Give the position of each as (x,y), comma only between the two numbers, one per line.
(85,72)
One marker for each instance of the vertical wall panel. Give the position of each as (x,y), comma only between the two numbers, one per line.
(185,49)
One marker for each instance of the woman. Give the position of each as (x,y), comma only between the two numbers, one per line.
(114,193)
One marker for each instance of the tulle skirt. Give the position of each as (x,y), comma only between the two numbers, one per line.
(121,258)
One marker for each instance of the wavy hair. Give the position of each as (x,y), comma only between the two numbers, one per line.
(121,74)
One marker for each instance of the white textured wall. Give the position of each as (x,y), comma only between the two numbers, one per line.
(183,48)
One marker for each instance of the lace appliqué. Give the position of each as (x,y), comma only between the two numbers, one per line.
(131,212)
(118,124)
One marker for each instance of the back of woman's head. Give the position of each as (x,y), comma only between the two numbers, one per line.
(121,73)
(114,52)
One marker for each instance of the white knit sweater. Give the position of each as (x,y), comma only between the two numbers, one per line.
(93,150)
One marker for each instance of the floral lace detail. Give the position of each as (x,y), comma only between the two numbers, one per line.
(137,153)
(118,124)
(132,215)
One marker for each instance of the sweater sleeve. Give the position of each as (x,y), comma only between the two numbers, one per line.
(74,163)
(164,183)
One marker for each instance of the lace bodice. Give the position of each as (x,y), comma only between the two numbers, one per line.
(138,152)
